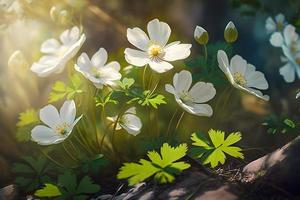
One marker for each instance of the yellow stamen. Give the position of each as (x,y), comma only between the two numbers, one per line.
(62,128)
(239,78)
(155,50)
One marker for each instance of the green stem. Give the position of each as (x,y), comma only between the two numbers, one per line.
(69,153)
(205,52)
(51,159)
(83,145)
(144,74)
(179,120)
(171,121)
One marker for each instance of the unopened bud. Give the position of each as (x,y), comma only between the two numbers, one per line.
(201,35)
(54,13)
(230,33)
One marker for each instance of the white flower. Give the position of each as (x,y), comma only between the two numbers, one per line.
(96,69)
(277,25)
(243,75)
(154,51)
(128,121)
(192,100)
(58,53)
(290,44)
(59,125)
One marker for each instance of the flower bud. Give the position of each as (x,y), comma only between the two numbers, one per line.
(64,17)
(230,33)
(201,35)
(54,13)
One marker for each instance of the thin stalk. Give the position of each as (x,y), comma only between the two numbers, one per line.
(205,52)
(171,121)
(69,153)
(179,120)
(52,160)
(144,75)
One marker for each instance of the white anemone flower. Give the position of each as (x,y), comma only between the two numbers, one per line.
(275,25)
(192,99)
(59,125)
(128,121)
(290,44)
(243,75)
(154,50)
(96,69)
(58,53)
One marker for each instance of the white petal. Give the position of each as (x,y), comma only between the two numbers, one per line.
(68,112)
(136,57)
(75,122)
(114,65)
(182,81)
(133,124)
(288,72)
(238,64)
(223,61)
(49,115)
(50,46)
(280,18)
(258,94)
(138,38)
(160,66)
(70,36)
(169,88)
(159,31)
(176,51)
(270,25)
(44,135)
(290,34)
(99,58)
(72,50)
(257,80)
(131,110)
(202,92)
(196,109)
(276,39)
(45,66)
(84,64)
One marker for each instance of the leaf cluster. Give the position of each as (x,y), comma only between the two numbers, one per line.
(27,120)
(214,151)
(162,166)
(281,124)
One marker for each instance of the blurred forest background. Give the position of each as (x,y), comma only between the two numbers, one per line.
(105,22)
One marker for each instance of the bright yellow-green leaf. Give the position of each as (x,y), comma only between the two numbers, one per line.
(48,191)
(162,166)
(214,152)
(28,117)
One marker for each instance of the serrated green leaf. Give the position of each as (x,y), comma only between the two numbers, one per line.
(214,153)
(61,90)
(28,117)
(48,191)
(162,166)
(126,83)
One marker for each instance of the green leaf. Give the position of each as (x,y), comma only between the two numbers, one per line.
(162,166)
(70,189)
(68,180)
(215,152)
(126,83)
(61,90)
(48,191)
(28,117)
(150,99)
(86,186)
(102,101)
(27,120)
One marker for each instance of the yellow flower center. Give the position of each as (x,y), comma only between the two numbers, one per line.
(239,78)
(279,26)
(155,50)
(62,129)
(185,97)
(96,72)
